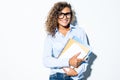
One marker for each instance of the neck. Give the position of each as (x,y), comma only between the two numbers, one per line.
(64,27)
(64,30)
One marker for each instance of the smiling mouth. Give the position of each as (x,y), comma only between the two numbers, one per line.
(65,21)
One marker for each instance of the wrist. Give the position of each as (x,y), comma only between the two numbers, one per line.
(72,67)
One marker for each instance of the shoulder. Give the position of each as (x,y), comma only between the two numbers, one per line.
(48,37)
(78,29)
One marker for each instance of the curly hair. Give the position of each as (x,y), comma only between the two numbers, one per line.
(52,18)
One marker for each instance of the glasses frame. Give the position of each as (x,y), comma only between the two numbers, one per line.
(62,15)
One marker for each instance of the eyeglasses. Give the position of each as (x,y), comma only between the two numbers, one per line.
(61,15)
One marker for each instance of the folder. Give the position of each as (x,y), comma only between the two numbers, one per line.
(73,47)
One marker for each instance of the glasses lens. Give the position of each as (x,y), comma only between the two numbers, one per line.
(67,15)
(61,15)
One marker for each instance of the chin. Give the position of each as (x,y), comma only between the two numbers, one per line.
(66,26)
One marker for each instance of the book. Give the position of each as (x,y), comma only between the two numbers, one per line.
(73,47)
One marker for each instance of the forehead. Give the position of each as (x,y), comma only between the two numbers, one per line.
(66,9)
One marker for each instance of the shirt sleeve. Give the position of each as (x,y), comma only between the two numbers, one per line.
(49,60)
(83,67)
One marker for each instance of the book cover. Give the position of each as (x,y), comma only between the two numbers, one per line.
(73,47)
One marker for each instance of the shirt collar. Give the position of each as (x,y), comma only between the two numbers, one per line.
(71,28)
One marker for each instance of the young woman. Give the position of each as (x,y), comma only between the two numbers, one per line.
(60,30)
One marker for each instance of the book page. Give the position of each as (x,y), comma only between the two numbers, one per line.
(73,48)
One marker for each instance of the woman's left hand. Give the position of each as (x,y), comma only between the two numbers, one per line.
(70,71)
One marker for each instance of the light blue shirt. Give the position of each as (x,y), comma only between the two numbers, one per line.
(54,45)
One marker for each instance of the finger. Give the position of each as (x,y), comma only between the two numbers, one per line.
(66,70)
(79,60)
(76,55)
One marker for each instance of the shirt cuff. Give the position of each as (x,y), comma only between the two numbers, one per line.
(82,68)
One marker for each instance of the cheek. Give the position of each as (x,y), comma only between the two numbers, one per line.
(59,21)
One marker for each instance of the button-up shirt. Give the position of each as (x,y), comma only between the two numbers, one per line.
(53,45)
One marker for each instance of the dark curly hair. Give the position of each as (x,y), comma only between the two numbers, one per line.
(52,18)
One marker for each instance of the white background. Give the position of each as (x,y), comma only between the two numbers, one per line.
(22,36)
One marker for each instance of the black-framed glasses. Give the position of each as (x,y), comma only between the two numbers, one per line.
(61,15)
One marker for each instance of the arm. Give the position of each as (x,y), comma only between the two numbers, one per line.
(49,60)
(74,72)
(82,68)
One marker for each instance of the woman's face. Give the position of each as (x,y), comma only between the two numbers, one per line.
(64,18)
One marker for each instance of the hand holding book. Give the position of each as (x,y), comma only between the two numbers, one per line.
(74,50)
(71,72)
(75,61)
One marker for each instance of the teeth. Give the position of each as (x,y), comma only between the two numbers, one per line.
(64,21)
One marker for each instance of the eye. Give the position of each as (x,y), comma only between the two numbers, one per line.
(62,15)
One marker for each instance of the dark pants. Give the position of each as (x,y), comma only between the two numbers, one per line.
(60,76)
